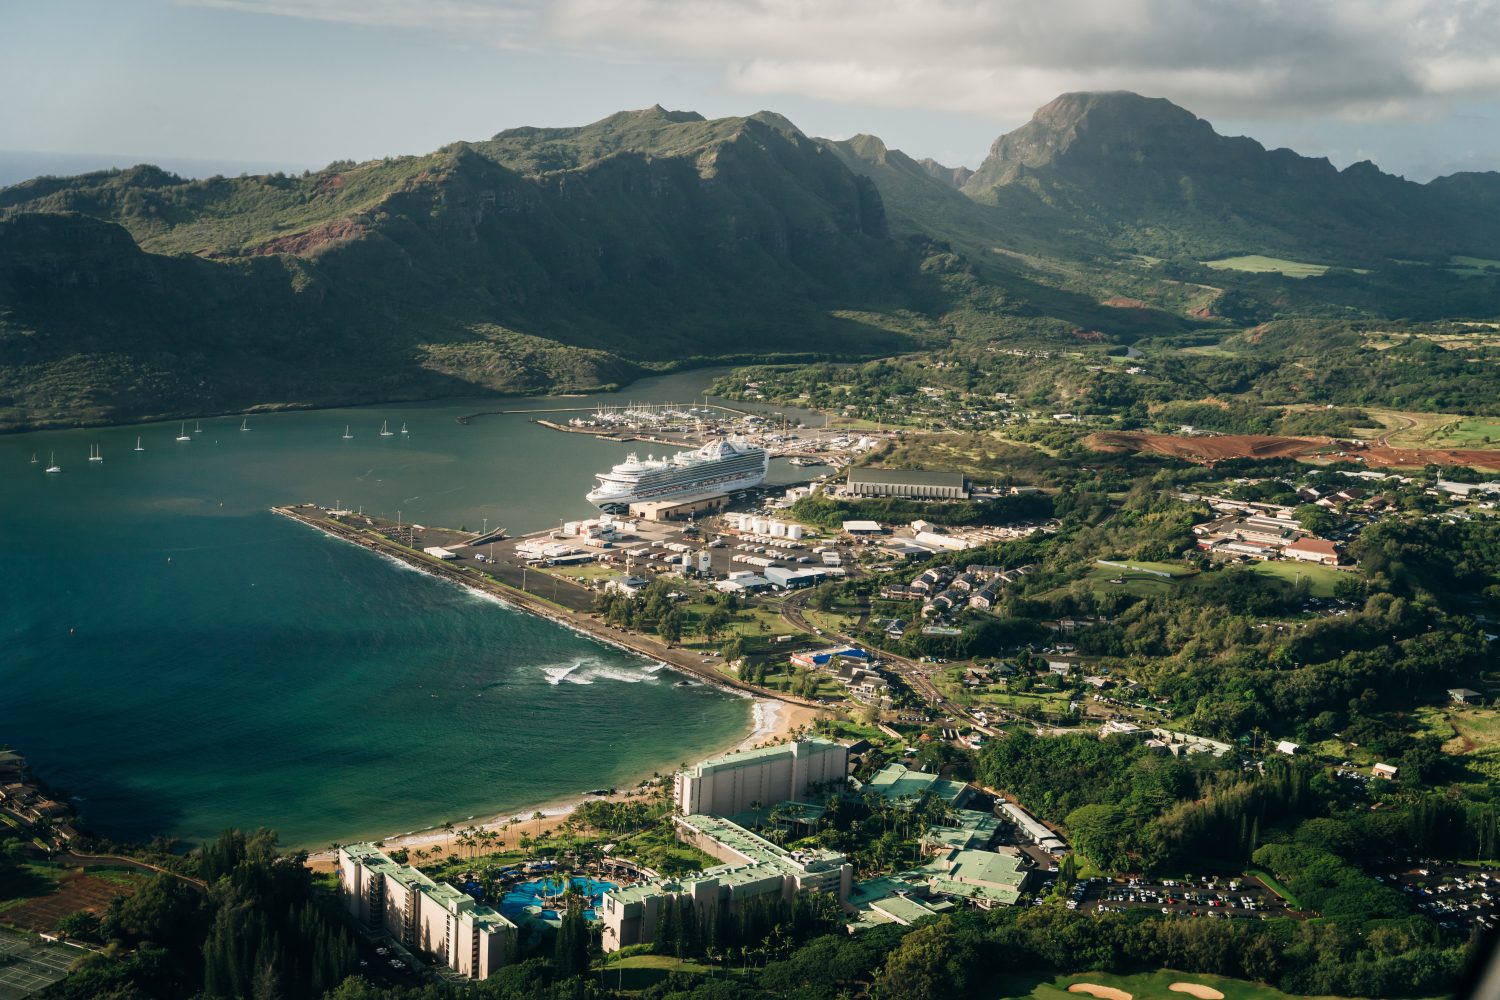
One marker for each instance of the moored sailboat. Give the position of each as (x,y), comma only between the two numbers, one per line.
(182,434)
(52,465)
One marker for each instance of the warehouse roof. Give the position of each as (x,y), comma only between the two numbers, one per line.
(911,477)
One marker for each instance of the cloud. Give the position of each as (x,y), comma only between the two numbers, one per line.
(1003,58)
(1245,59)
(506,23)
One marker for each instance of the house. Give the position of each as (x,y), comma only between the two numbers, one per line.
(1465,696)
(1318,550)
(625,584)
(898,592)
(1386,771)
(986,597)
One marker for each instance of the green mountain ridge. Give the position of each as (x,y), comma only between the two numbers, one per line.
(568,258)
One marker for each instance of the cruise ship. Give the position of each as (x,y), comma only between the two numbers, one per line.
(717,467)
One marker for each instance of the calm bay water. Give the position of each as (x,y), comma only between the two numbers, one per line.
(182,660)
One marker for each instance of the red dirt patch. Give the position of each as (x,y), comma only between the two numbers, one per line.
(77,891)
(1120,302)
(1090,336)
(313,239)
(1383,457)
(1219,448)
(1209,449)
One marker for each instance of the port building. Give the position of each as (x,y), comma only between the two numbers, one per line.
(731,784)
(428,917)
(906,483)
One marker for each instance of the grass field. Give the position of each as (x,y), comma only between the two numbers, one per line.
(1257,264)
(1139,580)
(1472,432)
(1472,267)
(1320,579)
(1140,986)
(639,972)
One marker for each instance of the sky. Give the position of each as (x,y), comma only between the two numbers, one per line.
(211,85)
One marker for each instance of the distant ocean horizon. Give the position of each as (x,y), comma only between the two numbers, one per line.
(17,165)
(181,660)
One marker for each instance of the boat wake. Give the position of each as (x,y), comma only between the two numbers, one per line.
(588,669)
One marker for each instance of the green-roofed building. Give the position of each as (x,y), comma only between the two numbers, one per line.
(984,878)
(755,867)
(898,783)
(424,915)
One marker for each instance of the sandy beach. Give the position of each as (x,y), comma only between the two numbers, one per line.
(775,721)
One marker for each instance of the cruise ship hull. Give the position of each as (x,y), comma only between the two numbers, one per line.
(615,495)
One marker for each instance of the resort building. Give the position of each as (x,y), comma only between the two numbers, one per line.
(731,784)
(426,916)
(906,483)
(754,867)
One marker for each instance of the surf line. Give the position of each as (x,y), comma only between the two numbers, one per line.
(515,600)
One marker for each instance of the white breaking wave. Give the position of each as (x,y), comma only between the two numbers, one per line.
(588,669)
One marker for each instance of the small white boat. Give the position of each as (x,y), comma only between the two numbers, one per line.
(138,443)
(52,465)
(347,435)
(33,458)
(182,434)
(197,427)
(96,454)
(404,430)
(385,429)
(245,424)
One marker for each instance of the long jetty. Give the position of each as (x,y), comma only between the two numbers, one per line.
(578,617)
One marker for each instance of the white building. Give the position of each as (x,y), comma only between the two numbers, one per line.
(729,784)
(424,915)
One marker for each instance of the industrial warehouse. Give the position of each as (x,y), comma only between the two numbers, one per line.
(906,483)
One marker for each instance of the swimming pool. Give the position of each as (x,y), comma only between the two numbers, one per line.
(527,899)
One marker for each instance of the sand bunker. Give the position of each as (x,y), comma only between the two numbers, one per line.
(1197,990)
(1102,992)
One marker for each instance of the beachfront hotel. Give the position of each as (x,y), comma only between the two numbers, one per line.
(731,784)
(716,801)
(424,915)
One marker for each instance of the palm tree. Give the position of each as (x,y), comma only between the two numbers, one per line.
(538,816)
(448,830)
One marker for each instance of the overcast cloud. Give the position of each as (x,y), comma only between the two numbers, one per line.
(1002,58)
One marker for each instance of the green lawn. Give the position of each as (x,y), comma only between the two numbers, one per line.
(1140,986)
(1101,579)
(1473,432)
(639,972)
(1471,267)
(1258,264)
(1320,579)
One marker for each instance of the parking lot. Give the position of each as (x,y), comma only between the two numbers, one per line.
(28,965)
(1218,896)
(1457,897)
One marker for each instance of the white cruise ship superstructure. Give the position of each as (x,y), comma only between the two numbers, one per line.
(717,467)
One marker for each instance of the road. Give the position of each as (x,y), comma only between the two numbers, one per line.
(908,670)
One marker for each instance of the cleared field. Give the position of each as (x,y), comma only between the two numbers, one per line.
(1472,267)
(1471,432)
(1257,264)
(1320,579)
(75,891)
(1109,579)
(1140,986)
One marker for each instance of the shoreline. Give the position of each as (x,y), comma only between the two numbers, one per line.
(774,717)
(773,722)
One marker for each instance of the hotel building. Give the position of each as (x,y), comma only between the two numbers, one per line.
(424,915)
(729,785)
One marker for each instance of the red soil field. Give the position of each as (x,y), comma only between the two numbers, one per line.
(1217,449)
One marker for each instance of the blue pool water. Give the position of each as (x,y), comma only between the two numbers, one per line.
(531,894)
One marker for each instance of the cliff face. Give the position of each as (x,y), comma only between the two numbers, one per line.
(1146,174)
(539,259)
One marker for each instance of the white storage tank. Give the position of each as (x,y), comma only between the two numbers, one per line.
(759,525)
(778,529)
(794,531)
(705,561)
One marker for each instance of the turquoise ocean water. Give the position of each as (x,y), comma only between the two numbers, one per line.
(182,660)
